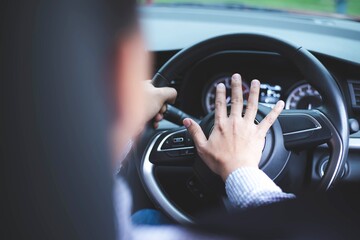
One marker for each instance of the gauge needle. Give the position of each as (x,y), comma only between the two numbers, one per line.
(309,106)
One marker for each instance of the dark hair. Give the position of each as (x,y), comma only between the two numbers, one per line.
(54,117)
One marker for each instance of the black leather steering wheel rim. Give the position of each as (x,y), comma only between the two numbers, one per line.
(333,112)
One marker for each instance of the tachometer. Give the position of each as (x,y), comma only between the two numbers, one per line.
(303,97)
(210,92)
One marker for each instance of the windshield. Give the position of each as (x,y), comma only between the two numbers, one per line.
(336,8)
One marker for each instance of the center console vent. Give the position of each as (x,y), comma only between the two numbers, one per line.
(354,88)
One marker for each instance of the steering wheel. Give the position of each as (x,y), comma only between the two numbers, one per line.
(294,130)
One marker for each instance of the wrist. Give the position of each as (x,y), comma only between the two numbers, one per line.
(227,172)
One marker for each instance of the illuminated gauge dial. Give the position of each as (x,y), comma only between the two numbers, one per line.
(303,97)
(210,93)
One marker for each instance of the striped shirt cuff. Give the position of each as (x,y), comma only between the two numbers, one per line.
(251,187)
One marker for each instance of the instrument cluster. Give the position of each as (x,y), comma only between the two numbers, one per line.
(300,96)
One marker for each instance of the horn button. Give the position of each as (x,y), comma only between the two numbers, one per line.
(273,159)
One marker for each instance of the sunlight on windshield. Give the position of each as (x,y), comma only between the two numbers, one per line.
(343,7)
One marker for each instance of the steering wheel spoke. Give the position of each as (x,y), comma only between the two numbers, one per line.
(173,148)
(303,129)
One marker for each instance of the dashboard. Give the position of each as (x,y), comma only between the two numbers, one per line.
(280,80)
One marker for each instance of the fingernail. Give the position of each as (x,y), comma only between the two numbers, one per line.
(255,82)
(187,123)
(281,104)
(221,85)
(236,77)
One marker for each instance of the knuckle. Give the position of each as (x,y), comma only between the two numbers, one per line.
(195,132)
(235,115)
(201,146)
(219,103)
(161,91)
(270,119)
(261,133)
(236,100)
(220,125)
(253,90)
(236,127)
(217,159)
(173,91)
(201,149)
(168,91)
(235,122)
(198,132)
(251,107)
(236,89)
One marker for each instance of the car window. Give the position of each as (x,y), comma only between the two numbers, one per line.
(332,8)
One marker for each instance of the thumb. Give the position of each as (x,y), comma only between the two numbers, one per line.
(196,132)
(168,94)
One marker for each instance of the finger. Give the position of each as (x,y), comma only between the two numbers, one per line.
(252,104)
(163,108)
(159,117)
(156,125)
(168,94)
(236,95)
(269,120)
(220,103)
(196,132)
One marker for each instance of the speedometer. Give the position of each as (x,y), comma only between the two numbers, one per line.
(304,96)
(210,92)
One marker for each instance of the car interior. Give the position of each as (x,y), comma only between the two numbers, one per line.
(195,48)
(308,58)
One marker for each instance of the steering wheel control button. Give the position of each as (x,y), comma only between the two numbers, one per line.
(173,148)
(166,145)
(193,186)
(178,140)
